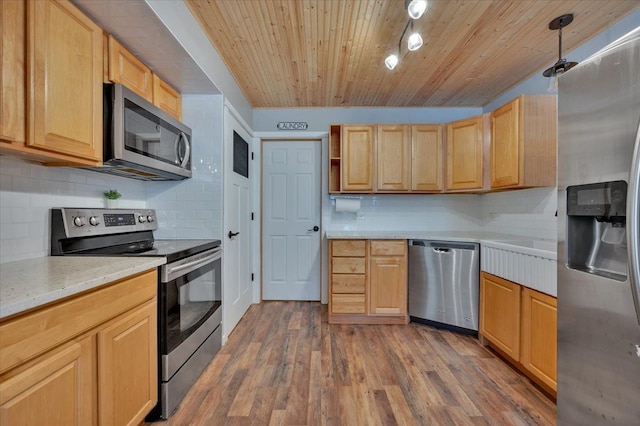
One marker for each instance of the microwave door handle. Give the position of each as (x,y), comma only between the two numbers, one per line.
(187,149)
(633,225)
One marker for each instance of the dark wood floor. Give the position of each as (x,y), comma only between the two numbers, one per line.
(285,365)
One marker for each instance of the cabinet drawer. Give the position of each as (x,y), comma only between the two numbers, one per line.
(348,304)
(348,265)
(347,283)
(352,248)
(388,248)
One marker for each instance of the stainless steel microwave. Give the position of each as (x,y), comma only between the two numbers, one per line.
(140,140)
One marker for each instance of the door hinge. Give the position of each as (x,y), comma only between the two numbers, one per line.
(252,276)
(252,216)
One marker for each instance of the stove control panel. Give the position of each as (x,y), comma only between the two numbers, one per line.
(88,222)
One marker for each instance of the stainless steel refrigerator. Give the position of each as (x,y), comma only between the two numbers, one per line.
(598,214)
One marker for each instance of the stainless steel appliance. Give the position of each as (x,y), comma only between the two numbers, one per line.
(598,264)
(189,287)
(444,284)
(140,140)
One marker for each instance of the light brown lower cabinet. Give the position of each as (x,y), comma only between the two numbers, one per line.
(368,282)
(538,352)
(90,359)
(55,389)
(521,324)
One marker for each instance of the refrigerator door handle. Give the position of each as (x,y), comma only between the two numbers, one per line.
(633,225)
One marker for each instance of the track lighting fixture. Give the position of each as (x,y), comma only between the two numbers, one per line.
(416,9)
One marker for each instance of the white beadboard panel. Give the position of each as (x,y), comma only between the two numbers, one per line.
(192,208)
(29,191)
(536,272)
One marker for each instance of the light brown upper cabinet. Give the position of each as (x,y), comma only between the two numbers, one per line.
(59,89)
(394,158)
(12,74)
(167,98)
(125,68)
(426,158)
(128,70)
(465,148)
(523,143)
(357,158)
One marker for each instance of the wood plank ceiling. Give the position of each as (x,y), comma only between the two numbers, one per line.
(327,53)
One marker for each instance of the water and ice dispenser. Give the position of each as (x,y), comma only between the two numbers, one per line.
(596,229)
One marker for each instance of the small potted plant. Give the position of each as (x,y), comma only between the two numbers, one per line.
(112,196)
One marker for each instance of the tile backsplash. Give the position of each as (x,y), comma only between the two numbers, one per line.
(527,212)
(192,208)
(409,212)
(28,192)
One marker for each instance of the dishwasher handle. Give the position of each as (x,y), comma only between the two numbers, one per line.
(441,250)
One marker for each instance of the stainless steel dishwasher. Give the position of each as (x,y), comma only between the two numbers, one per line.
(444,284)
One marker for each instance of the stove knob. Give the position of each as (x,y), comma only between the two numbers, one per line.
(79,221)
(142,219)
(93,221)
(150,219)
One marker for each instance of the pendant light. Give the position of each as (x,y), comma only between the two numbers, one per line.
(416,8)
(561,66)
(414,42)
(391,61)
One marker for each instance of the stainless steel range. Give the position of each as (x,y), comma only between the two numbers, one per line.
(189,287)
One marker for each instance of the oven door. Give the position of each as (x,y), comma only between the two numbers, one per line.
(189,307)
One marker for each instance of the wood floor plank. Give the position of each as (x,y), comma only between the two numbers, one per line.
(284,364)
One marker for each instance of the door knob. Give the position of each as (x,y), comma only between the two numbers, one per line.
(314,229)
(232,234)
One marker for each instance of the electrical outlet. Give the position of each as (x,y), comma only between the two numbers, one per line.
(359,216)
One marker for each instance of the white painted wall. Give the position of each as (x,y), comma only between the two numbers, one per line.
(319,119)
(192,208)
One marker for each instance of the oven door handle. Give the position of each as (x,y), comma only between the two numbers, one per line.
(170,273)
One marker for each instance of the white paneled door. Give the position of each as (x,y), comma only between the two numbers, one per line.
(237,291)
(291,220)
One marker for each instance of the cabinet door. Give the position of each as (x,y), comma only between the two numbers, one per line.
(127,367)
(65,80)
(426,158)
(357,158)
(393,146)
(12,74)
(56,389)
(167,98)
(500,314)
(506,152)
(125,68)
(539,335)
(464,154)
(388,285)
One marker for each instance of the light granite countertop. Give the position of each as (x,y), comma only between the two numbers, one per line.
(27,284)
(458,236)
